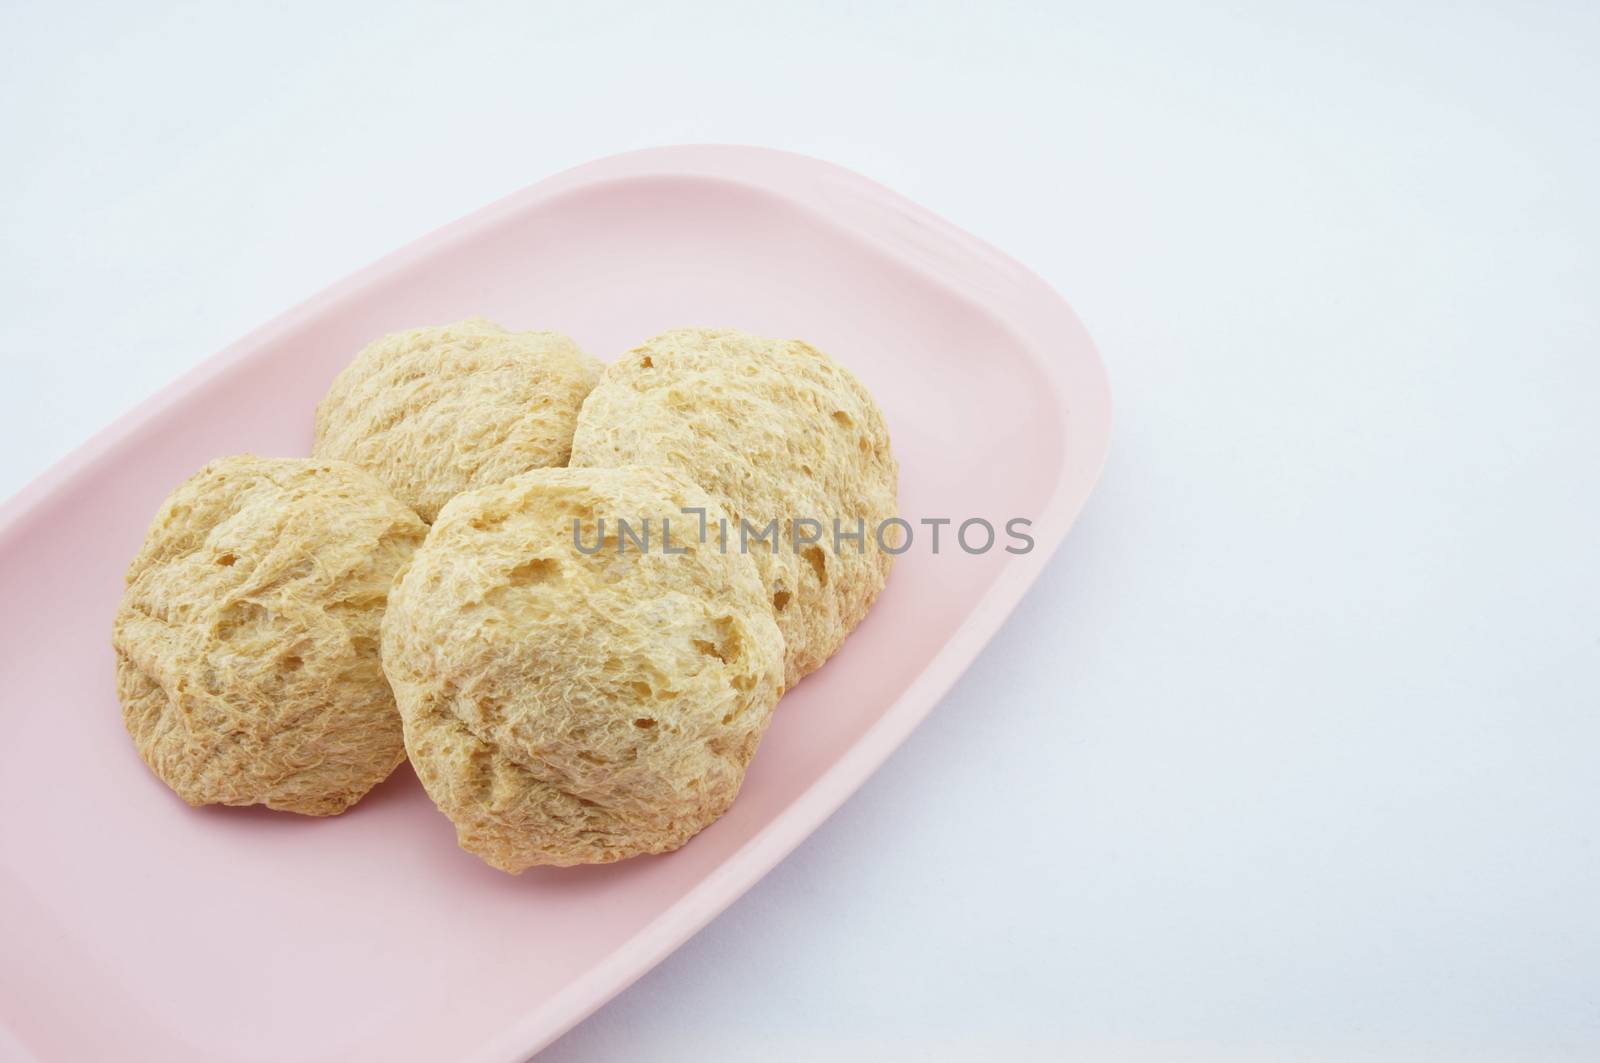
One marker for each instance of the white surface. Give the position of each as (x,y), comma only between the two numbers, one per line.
(1293,753)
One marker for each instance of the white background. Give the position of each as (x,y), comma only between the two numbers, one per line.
(1293,753)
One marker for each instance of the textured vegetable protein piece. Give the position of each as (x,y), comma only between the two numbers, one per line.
(776,430)
(564,707)
(247,637)
(434,411)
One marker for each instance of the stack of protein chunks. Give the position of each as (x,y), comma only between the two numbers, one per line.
(538,562)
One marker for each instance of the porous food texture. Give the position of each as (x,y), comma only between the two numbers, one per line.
(777,431)
(247,637)
(565,705)
(434,411)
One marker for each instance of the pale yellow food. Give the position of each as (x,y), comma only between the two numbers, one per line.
(776,430)
(247,637)
(434,411)
(570,708)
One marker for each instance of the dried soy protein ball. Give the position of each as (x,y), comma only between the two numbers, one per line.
(777,431)
(247,637)
(576,706)
(434,411)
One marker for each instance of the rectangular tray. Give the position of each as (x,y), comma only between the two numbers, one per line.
(132,926)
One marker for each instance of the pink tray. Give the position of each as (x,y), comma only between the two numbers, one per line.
(134,927)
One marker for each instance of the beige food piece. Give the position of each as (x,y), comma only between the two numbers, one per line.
(434,411)
(247,638)
(570,708)
(777,430)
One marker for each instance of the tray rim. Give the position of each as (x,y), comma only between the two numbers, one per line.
(888,222)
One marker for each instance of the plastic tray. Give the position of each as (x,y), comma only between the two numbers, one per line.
(134,927)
